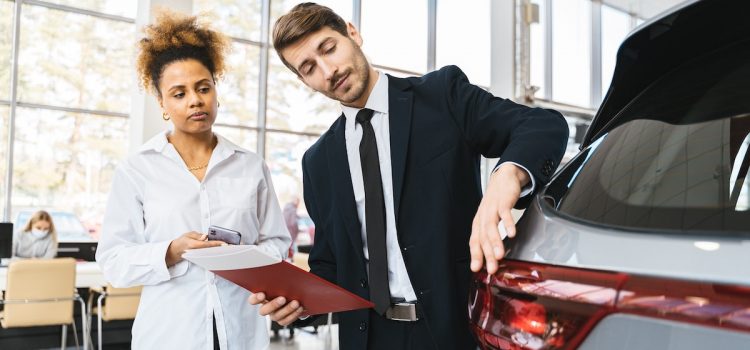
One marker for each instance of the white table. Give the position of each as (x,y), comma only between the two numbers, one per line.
(88,275)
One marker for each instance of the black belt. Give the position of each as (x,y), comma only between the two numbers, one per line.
(403,311)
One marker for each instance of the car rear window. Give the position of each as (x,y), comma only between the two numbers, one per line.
(676,158)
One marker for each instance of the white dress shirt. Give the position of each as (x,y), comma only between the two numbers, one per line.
(398,278)
(155,199)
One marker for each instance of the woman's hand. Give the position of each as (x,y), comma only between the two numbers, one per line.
(190,240)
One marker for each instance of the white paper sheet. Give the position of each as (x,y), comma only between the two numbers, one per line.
(229,257)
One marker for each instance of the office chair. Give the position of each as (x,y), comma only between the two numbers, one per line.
(41,293)
(121,304)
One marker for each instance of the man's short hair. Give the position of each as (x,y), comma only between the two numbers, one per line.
(302,20)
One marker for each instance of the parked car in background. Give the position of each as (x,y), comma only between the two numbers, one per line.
(642,241)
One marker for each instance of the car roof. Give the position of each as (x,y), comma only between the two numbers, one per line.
(687,31)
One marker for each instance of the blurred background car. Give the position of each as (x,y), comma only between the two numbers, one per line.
(642,241)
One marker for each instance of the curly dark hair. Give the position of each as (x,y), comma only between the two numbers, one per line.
(177,37)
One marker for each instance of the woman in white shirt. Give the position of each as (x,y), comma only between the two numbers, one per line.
(166,195)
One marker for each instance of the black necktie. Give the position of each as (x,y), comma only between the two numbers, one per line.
(374,214)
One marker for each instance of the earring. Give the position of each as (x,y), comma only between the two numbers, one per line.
(165,116)
(218,104)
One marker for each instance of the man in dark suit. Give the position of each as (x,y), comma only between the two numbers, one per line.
(394,186)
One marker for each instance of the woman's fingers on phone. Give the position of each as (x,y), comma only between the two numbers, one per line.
(204,244)
(195,235)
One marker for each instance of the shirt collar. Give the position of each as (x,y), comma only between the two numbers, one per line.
(378,100)
(159,142)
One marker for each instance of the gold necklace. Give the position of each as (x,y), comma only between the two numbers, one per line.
(194,168)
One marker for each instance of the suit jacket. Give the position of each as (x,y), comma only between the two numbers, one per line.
(440,124)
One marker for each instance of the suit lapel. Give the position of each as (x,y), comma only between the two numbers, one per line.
(341,179)
(400,114)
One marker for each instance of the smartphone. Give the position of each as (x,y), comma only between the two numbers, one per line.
(216,233)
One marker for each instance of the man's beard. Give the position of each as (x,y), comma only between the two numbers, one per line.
(362,69)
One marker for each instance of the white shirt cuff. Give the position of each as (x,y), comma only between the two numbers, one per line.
(159,263)
(529,188)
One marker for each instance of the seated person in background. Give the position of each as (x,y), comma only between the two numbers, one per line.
(38,238)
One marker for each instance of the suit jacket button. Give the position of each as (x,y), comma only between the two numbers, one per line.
(363,326)
(363,283)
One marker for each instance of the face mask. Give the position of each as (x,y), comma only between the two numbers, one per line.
(36,233)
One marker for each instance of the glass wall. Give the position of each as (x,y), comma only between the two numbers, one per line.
(615,27)
(574,43)
(65,161)
(395,46)
(74,60)
(6,38)
(571,52)
(463,38)
(75,80)
(238,19)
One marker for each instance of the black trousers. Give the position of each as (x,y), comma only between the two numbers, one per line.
(385,334)
(216,336)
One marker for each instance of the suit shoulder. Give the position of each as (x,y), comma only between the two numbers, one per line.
(318,149)
(446,73)
(436,79)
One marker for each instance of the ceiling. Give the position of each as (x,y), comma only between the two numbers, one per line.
(643,8)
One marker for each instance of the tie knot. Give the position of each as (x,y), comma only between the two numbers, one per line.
(364,115)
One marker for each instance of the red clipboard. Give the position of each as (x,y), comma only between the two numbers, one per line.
(255,270)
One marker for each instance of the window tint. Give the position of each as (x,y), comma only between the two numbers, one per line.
(675,158)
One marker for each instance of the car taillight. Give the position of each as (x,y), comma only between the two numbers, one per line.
(538,306)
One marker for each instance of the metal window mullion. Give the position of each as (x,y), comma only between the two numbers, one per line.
(548,55)
(357,14)
(245,41)
(431,34)
(12,116)
(265,21)
(79,11)
(292,132)
(72,110)
(596,53)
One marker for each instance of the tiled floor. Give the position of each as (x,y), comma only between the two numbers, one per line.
(305,340)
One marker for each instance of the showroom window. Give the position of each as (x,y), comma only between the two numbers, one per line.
(74,86)
(571,52)
(396,46)
(463,38)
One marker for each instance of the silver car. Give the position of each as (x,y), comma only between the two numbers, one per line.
(642,241)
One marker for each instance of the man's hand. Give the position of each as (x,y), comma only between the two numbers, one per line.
(502,193)
(280,311)
(190,240)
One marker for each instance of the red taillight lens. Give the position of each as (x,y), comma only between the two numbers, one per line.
(538,306)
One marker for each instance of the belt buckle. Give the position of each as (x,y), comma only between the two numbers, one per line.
(405,312)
